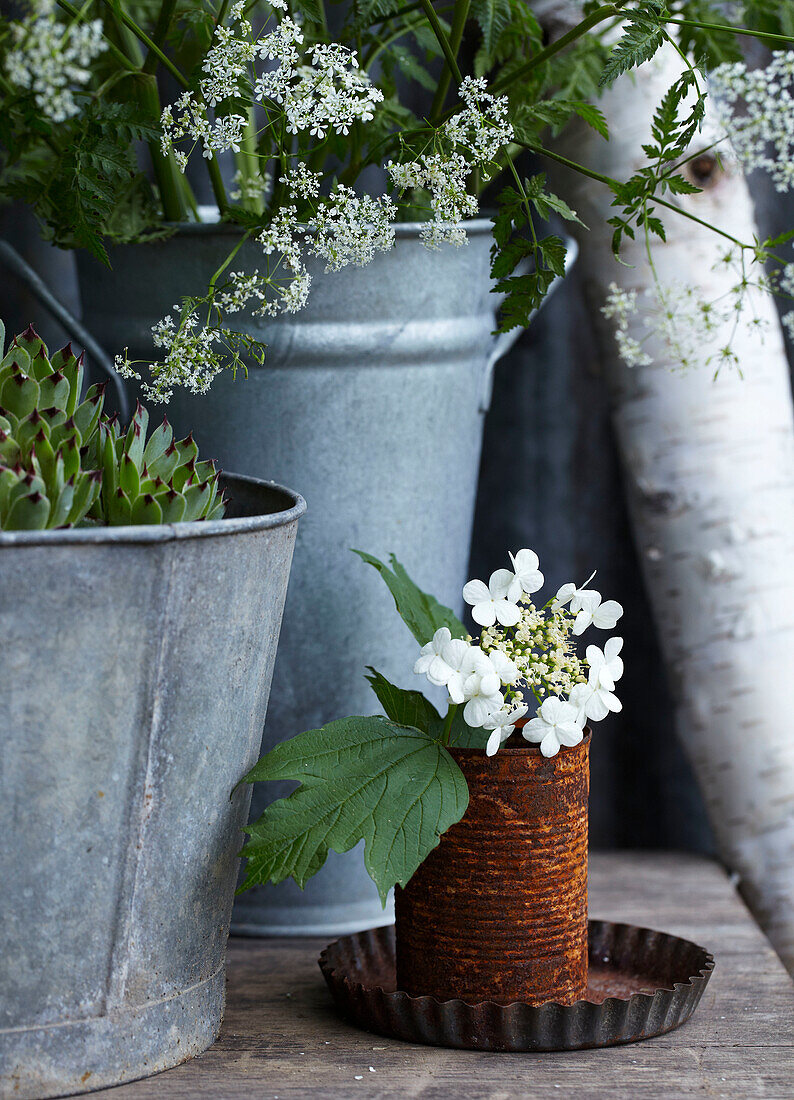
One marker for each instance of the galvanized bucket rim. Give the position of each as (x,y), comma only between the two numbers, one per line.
(294,508)
(403,230)
(519,749)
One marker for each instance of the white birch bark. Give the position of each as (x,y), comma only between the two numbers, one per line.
(709,470)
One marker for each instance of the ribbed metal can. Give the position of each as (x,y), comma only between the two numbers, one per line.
(498,911)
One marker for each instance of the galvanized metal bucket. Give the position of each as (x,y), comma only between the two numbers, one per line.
(136,670)
(371,401)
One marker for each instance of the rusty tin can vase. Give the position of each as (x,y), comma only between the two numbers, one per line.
(498,911)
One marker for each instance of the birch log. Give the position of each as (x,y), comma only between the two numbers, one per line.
(709,472)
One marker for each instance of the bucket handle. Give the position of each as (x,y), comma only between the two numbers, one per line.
(39,289)
(505,340)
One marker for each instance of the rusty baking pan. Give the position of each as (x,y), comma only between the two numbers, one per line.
(641,983)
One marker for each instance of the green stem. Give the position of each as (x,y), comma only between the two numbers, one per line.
(228,260)
(612,184)
(762,36)
(143,37)
(450,718)
(442,39)
(165,170)
(159,35)
(607,11)
(218,189)
(699,221)
(572,164)
(459,17)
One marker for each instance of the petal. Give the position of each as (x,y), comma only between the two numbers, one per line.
(612,647)
(535,730)
(441,636)
(582,621)
(506,670)
(489,683)
(594,657)
(423,664)
(564,594)
(439,672)
(586,598)
(455,688)
(476,710)
(501,582)
(525,561)
(475,592)
(494,741)
(508,614)
(612,701)
(484,614)
(606,616)
(532,582)
(615,667)
(550,746)
(569,734)
(454,652)
(595,708)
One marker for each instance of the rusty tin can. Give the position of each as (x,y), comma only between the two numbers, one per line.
(498,911)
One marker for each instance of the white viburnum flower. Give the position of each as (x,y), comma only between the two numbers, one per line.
(589,610)
(495,601)
(507,670)
(430,662)
(568,591)
(483,698)
(555,725)
(525,564)
(502,723)
(596,698)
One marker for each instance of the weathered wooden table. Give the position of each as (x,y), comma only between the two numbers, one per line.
(282,1038)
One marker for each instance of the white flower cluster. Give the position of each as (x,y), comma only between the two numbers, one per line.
(487,677)
(687,325)
(470,139)
(756,107)
(785,285)
(193,356)
(50,59)
(318,89)
(620,306)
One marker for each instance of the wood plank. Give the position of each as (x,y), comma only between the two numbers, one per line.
(282,1038)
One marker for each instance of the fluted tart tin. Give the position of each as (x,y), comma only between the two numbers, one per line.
(641,983)
(498,911)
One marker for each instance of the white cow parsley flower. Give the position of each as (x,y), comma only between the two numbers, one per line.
(756,107)
(556,724)
(495,601)
(471,139)
(350,228)
(51,58)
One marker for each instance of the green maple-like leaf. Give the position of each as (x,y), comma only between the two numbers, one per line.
(421,613)
(394,787)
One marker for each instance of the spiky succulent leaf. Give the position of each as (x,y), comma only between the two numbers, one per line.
(72,464)
(19,393)
(28,513)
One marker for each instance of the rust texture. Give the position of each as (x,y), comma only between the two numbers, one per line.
(642,983)
(498,912)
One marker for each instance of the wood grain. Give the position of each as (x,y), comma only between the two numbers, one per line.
(282,1039)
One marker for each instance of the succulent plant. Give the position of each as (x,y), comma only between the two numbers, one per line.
(158,480)
(43,427)
(64,463)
